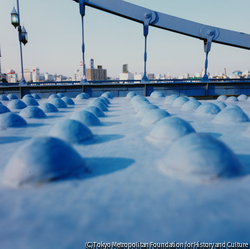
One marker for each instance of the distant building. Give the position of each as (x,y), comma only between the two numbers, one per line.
(96,74)
(126,76)
(26,74)
(138,76)
(237,72)
(151,76)
(35,74)
(91,64)
(49,77)
(12,77)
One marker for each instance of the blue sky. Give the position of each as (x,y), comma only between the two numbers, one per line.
(54,33)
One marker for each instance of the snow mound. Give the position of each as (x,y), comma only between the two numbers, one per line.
(4,109)
(130,95)
(170,99)
(36,96)
(247,132)
(140,104)
(12,96)
(222,98)
(202,157)
(234,106)
(145,109)
(48,107)
(59,103)
(27,96)
(231,99)
(171,129)
(10,119)
(108,95)
(60,95)
(30,101)
(248,99)
(3,97)
(105,99)
(99,100)
(87,118)
(95,110)
(192,98)
(234,115)
(207,108)
(157,94)
(136,101)
(54,96)
(180,101)
(16,104)
(68,101)
(99,105)
(32,112)
(191,105)
(71,131)
(221,104)
(154,116)
(40,160)
(82,96)
(242,97)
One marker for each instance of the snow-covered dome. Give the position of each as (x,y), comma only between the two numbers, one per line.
(71,131)
(170,99)
(157,94)
(87,118)
(27,96)
(82,96)
(30,101)
(3,97)
(207,108)
(41,160)
(221,104)
(222,98)
(12,96)
(60,95)
(154,116)
(4,109)
(180,101)
(16,104)
(99,100)
(32,112)
(99,105)
(108,95)
(145,109)
(36,96)
(10,119)
(130,95)
(191,105)
(171,129)
(231,99)
(105,99)
(59,103)
(242,97)
(232,114)
(54,96)
(201,157)
(68,101)
(48,107)
(192,98)
(95,110)
(140,104)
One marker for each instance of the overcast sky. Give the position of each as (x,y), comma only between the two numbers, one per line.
(54,34)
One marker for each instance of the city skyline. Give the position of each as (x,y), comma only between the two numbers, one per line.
(54,42)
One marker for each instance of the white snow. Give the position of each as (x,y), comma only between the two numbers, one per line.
(124,196)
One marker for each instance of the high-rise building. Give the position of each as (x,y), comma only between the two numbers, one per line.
(26,74)
(91,64)
(96,74)
(35,74)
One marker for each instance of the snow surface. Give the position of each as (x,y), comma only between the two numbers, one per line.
(124,196)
